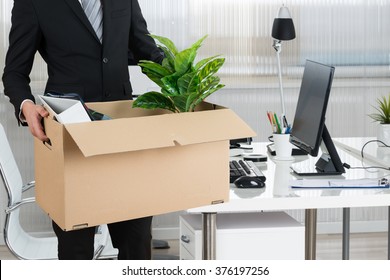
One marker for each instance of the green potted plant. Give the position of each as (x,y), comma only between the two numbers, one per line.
(382,116)
(184,84)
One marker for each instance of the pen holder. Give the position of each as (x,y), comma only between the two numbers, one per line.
(283,147)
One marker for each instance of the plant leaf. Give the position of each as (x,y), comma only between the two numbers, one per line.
(206,82)
(154,71)
(168,65)
(183,83)
(190,101)
(205,95)
(210,69)
(169,60)
(185,59)
(198,43)
(209,83)
(153,100)
(180,102)
(166,42)
(383,111)
(152,75)
(154,67)
(170,84)
(201,63)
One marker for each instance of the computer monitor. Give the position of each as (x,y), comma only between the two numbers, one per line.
(309,131)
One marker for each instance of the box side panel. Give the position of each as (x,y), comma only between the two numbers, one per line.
(73,172)
(111,188)
(49,172)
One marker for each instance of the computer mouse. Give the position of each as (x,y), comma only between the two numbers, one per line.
(249,182)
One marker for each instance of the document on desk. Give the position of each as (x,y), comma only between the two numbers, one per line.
(339,184)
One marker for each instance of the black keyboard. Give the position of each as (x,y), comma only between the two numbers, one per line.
(240,168)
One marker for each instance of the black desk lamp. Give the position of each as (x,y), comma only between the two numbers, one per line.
(282,30)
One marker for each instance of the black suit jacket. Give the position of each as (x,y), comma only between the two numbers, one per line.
(77,62)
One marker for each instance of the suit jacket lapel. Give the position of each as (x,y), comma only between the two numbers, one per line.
(78,10)
(107,7)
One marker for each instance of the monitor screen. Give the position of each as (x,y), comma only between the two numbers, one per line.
(310,112)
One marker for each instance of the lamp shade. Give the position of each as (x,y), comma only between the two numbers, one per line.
(283,27)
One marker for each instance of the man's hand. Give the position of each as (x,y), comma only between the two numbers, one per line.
(33,114)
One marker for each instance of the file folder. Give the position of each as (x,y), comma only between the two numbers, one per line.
(65,111)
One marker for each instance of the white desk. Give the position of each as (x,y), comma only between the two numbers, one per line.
(373,155)
(279,196)
(372,152)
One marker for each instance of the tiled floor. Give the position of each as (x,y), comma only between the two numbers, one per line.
(363,246)
(370,246)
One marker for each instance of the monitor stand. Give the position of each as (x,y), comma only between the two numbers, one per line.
(329,163)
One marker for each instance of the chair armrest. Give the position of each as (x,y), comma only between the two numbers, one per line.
(28,186)
(15,206)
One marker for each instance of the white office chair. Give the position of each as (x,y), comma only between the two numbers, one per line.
(22,244)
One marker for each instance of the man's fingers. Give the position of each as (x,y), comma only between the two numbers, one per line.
(34,114)
(37,130)
(42,111)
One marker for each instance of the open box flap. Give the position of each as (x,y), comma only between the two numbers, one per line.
(151,132)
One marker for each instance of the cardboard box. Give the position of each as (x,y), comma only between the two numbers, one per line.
(141,163)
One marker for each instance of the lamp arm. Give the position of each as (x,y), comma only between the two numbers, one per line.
(278,47)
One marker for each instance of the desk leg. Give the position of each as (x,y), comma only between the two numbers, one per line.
(310,233)
(346,232)
(209,224)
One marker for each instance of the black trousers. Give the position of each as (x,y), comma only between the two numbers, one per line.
(132,238)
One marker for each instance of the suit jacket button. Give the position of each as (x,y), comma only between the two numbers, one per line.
(107,94)
(105,60)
